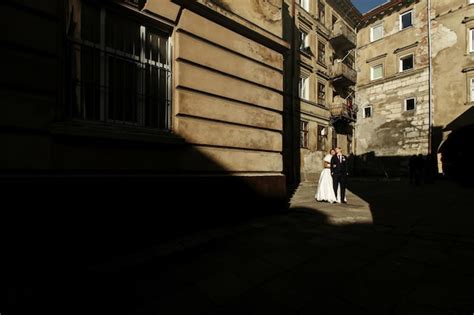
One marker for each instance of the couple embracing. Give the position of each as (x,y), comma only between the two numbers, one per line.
(332,182)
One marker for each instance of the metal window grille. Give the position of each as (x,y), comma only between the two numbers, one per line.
(120,70)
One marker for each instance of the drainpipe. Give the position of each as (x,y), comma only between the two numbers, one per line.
(430,84)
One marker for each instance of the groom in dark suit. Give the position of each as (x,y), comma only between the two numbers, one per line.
(339,173)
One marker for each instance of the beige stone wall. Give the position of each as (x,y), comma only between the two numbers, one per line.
(266,14)
(392,131)
(313,110)
(227,96)
(450,57)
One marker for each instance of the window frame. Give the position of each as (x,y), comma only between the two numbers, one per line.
(471,40)
(304,4)
(304,38)
(372,78)
(471,89)
(321,143)
(405,106)
(322,56)
(303,90)
(371,111)
(403,57)
(304,134)
(401,19)
(381,24)
(322,13)
(109,55)
(322,100)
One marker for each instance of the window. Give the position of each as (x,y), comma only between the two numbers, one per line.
(406,63)
(304,134)
(406,20)
(321,11)
(367,112)
(334,138)
(322,136)
(304,4)
(471,40)
(471,80)
(321,93)
(376,32)
(304,40)
(321,52)
(304,88)
(410,104)
(334,21)
(120,70)
(376,72)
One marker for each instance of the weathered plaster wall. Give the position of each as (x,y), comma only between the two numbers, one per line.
(392,131)
(450,56)
(228,95)
(267,14)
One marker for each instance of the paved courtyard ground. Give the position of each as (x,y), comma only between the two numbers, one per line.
(394,248)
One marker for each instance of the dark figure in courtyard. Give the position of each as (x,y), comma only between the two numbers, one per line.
(430,168)
(419,169)
(339,173)
(412,168)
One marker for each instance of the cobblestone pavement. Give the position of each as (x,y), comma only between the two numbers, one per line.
(393,249)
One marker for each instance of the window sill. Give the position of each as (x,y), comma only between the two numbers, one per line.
(120,133)
(406,28)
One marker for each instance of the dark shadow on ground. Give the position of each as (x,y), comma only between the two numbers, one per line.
(416,258)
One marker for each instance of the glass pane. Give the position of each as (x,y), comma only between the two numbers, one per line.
(377,72)
(122,34)
(407,63)
(406,20)
(410,104)
(377,32)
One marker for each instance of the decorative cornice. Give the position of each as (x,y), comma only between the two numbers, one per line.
(396,51)
(376,58)
(384,9)
(467,19)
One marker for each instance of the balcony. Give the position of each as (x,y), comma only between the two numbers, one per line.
(342,75)
(343,112)
(342,37)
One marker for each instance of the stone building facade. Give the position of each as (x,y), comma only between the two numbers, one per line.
(413,81)
(452,54)
(324,52)
(393,86)
(141,115)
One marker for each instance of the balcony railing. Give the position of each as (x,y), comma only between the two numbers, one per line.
(343,75)
(342,37)
(343,111)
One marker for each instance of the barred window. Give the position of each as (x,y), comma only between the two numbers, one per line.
(120,69)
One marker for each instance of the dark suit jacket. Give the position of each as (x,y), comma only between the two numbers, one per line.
(339,168)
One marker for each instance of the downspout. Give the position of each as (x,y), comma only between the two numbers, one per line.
(430,84)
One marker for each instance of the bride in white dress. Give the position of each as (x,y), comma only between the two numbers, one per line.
(325,191)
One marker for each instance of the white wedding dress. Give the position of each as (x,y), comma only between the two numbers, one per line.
(325,191)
